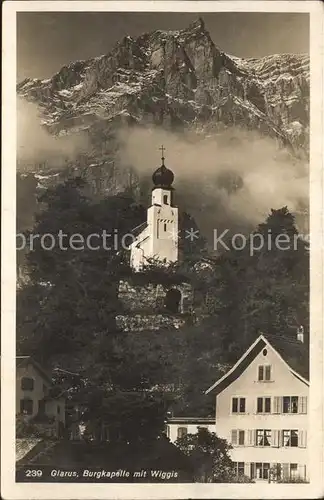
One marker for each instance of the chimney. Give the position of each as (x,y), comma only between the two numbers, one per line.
(300,334)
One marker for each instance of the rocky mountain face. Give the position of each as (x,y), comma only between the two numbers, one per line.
(177,80)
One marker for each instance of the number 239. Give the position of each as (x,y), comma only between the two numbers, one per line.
(33,473)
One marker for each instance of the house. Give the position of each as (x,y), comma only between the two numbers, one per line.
(36,398)
(178,427)
(261,409)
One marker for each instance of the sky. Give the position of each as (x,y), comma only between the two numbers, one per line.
(46,41)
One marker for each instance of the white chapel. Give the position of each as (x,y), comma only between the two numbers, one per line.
(157,238)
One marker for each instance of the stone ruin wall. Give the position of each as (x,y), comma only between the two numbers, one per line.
(145,309)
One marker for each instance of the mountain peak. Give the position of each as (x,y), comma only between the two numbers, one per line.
(177,78)
(197,25)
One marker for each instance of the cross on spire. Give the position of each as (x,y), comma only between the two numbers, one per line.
(162,148)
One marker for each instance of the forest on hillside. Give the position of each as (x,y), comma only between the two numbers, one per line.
(66,312)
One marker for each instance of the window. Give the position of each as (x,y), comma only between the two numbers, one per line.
(264,373)
(263,437)
(290,404)
(165,227)
(239,468)
(261,470)
(58,409)
(290,471)
(27,384)
(293,471)
(238,437)
(238,405)
(26,406)
(165,199)
(263,405)
(290,438)
(41,406)
(182,432)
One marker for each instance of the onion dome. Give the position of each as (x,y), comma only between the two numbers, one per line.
(163,177)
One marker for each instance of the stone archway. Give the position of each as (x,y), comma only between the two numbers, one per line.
(172,301)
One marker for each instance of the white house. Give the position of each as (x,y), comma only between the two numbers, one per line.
(261,409)
(34,397)
(157,238)
(178,427)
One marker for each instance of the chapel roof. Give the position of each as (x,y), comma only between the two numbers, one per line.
(163,177)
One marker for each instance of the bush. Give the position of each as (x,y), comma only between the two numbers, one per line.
(241,479)
(292,480)
(209,456)
(26,428)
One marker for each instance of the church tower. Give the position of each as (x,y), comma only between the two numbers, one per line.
(158,239)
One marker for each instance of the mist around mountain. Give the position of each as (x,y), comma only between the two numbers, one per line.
(236,131)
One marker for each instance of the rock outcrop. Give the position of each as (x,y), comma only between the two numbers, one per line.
(177,79)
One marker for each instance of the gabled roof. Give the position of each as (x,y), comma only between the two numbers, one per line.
(293,353)
(25,360)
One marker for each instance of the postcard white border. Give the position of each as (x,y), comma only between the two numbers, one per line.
(9,488)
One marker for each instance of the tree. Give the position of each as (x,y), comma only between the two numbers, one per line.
(277,280)
(264,290)
(76,287)
(67,312)
(209,456)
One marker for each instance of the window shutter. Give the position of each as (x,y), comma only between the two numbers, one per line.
(302,404)
(276,404)
(251,438)
(234,437)
(260,373)
(241,438)
(286,471)
(275,438)
(305,404)
(302,439)
(259,405)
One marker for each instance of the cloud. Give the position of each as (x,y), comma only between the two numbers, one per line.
(35,146)
(271,177)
